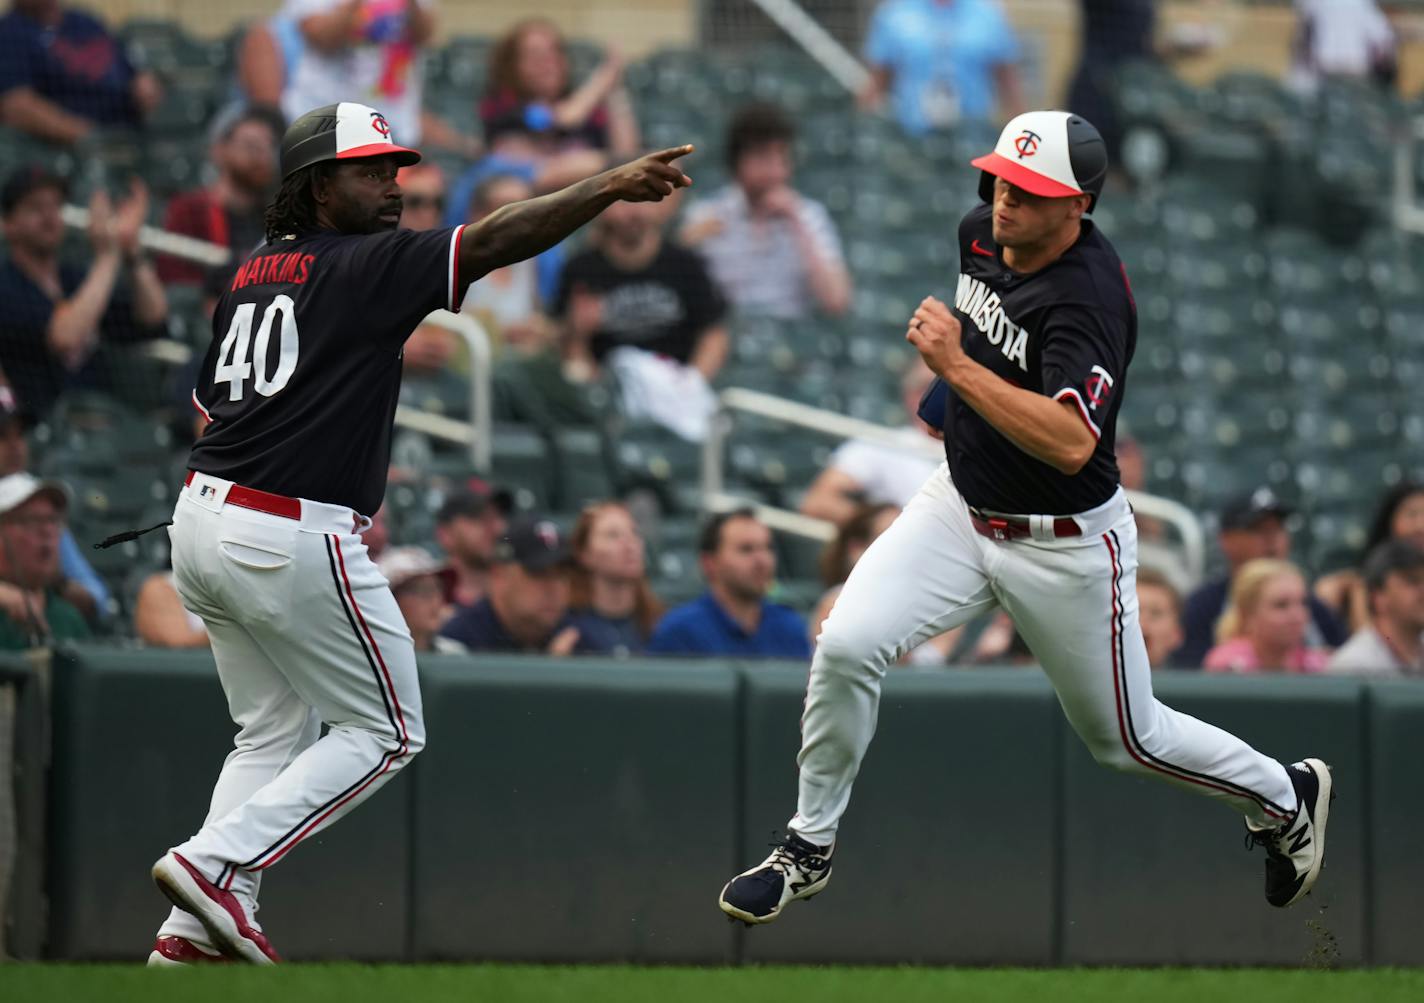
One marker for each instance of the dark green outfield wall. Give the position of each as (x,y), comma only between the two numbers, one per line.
(591,811)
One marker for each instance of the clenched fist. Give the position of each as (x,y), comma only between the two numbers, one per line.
(935,333)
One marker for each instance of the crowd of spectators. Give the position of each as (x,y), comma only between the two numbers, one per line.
(641,302)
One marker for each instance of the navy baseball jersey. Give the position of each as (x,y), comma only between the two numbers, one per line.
(303,373)
(1067,331)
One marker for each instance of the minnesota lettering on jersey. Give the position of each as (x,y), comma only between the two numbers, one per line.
(973,299)
(293,267)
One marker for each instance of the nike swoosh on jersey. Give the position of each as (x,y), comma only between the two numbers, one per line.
(974,246)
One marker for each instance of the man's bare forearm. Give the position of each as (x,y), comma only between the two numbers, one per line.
(25,110)
(523,229)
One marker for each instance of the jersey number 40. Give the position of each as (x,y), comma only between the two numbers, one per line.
(233,367)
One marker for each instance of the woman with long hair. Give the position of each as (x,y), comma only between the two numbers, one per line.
(1399,515)
(852,539)
(531,92)
(1263,628)
(538,125)
(610,601)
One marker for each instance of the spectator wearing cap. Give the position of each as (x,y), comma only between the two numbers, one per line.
(733,617)
(613,604)
(1392,642)
(772,250)
(527,609)
(243,157)
(33,611)
(56,315)
(63,73)
(467,527)
(941,61)
(1264,626)
(414,577)
(1253,526)
(82,585)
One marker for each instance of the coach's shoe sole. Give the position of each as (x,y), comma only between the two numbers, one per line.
(217,910)
(179,952)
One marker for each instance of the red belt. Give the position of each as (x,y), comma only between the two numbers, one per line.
(261,501)
(1010,528)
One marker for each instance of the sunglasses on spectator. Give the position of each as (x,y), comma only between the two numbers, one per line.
(423,201)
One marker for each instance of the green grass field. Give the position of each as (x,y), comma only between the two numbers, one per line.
(516,983)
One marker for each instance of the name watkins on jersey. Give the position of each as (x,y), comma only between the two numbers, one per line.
(293,268)
(974,299)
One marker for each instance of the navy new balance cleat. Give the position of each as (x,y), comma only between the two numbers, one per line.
(1295,850)
(796,869)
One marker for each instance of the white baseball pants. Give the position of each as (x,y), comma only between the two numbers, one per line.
(305,632)
(1073,599)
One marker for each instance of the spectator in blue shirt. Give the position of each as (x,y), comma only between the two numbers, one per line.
(733,616)
(613,603)
(940,62)
(62,73)
(57,316)
(527,609)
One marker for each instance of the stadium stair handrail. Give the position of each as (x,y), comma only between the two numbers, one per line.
(478,432)
(734,400)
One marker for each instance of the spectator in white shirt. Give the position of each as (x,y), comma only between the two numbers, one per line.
(1393,640)
(874,473)
(507,299)
(1350,39)
(371,51)
(772,250)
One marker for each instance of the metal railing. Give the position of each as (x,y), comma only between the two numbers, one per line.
(734,400)
(1406,211)
(478,432)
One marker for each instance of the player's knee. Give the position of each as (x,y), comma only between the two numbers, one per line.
(848,649)
(414,736)
(1110,752)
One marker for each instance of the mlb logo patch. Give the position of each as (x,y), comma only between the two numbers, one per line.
(207,491)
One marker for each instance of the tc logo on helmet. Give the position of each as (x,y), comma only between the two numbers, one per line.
(1027,143)
(379,123)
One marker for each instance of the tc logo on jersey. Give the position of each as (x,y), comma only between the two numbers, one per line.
(1099,386)
(379,123)
(1027,143)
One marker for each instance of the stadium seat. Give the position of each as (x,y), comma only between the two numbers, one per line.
(444,393)
(648,456)
(101,426)
(522,462)
(410,510)
(583,472)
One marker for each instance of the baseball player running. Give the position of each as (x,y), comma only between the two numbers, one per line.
(300,385)
(1027,515)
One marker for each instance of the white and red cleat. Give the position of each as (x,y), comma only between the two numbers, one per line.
(180,952)
(219,911)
